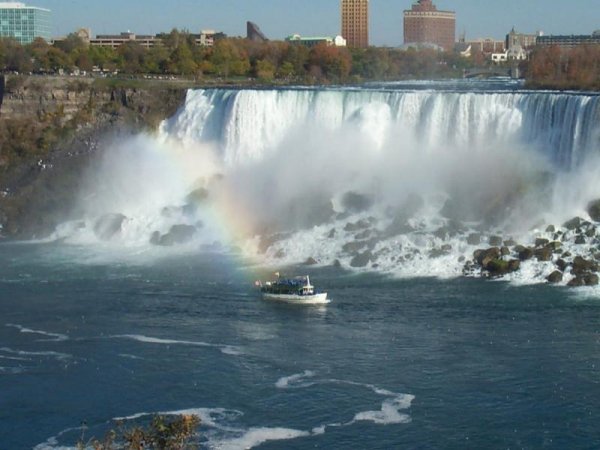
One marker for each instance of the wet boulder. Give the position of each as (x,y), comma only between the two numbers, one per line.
(582,265)
(439,252)
(580,239)
(355,202)
(525,253)
(541,242)
(593,210)
(484,257)
(495,241)
(358,226)
(474,239)
(500,267)
(551,229)
(555,277)
(177,235)
(543,254)
(573,224)
(109,225)
(311,262)
(562,264)
(362,259)
(585,279)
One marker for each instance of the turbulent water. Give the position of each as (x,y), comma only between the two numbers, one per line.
(391,178)
(145,304)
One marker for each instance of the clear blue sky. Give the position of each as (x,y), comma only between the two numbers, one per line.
(279,18)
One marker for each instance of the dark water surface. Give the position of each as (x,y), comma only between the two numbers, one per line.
(489,365)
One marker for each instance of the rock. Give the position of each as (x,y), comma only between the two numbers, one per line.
(585,279)
(311,261)
(505,251)
(543,254)
(580,239)
(551,229)
(484,256)
(364,235)
(555,277)
(398,226)
(474,239)
(540,242)
(566,255)
(441,233)
(107,226)
(197,196)
(573,224)
(495,241)
(461,259)
(562,264)
(337,263)
(514,265)
(439,252)
(360,225)
(355,202)
(526,254)
(591,279)
(177,235)
(362,259)
(510,243)
(576,282)
(331,234)
(581,265)
(280,254)
(590,232)
(555,246)
(593,210)
(353,247)
(497,267)
(155,238)
(500,267)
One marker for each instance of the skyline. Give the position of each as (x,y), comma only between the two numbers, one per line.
(280,18)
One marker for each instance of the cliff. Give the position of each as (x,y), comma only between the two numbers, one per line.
(50,129)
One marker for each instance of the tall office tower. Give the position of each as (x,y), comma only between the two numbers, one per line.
(424,24)
(355,22)
(24,23)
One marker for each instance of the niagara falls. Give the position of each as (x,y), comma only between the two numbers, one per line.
(281,225)
(392,196)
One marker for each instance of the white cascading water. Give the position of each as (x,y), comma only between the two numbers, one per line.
(281,163)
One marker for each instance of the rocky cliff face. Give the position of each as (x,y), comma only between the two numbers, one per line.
(50,129)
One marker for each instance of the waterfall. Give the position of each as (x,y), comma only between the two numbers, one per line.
(405,181)
(250,124)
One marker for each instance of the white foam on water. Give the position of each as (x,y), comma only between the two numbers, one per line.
(389,413)
(52,442)
(12,370)
(257,436)
(296,380)
(56,337)
(225,349)
(391,407)
(57,355)
(125,355)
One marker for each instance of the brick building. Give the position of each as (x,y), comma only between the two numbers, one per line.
(355,22)
(424,24)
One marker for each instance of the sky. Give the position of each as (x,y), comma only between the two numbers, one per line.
(280,18)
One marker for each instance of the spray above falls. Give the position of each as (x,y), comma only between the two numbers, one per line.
(330,174)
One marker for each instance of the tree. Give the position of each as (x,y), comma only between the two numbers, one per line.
(335,62)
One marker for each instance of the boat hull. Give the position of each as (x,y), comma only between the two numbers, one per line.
(316,299)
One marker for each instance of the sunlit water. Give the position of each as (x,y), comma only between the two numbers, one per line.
(388,364)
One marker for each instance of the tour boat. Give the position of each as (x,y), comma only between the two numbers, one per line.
(296,290)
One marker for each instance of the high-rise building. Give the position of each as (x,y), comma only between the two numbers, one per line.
(355,22)
(424,24)
(24,23)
